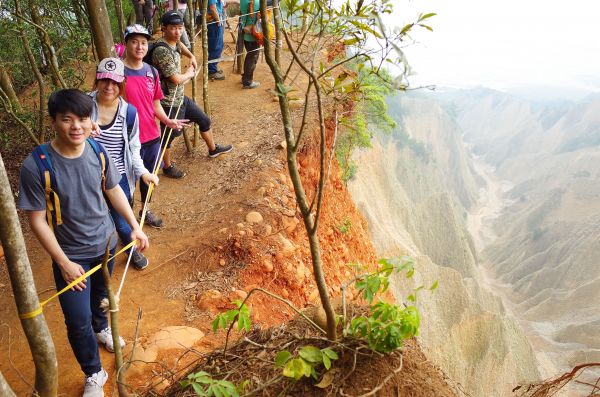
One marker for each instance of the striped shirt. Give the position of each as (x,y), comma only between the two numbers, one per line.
(111,137)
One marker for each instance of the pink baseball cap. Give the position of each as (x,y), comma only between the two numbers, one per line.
(111,68)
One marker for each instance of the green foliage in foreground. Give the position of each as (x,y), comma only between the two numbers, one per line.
(384,328)
(388,325)
(204,385)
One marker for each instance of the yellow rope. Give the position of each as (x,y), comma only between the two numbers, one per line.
(79,279)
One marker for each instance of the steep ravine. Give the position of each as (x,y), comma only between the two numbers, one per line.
(417,205)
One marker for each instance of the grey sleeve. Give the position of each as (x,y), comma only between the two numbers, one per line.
(31,191)
(112,174)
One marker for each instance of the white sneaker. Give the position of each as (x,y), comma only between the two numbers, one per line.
(105,337)
(94,384)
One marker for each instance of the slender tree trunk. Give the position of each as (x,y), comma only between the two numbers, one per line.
(305,210)
(304,25)
(120,19)
(205,58)
(192,12)
(114,325)
(101,30)
(239,50)
(26,299)
(5,390)
(188,142)
(7,87)
(36,73)
(278,38)
(41,87)
(78,14)
(47,46)
(8,108)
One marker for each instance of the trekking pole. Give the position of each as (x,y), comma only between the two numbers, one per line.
(151,186)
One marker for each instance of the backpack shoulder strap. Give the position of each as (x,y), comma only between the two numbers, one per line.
(102,158)
(130,118)
(42,158)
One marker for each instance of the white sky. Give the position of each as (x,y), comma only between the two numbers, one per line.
(505,43)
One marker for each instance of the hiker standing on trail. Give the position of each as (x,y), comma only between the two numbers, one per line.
(166,56)
(180,6)
(143,13)
(215,25)
(119,134)
(73,224)
(143,90)
(251,7)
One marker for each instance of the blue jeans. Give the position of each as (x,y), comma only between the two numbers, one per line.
(149,152)
(83,315)
(123,228)
(215,45)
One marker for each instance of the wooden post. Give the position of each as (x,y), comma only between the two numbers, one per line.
(23,287)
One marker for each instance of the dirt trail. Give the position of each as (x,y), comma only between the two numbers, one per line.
(213,195)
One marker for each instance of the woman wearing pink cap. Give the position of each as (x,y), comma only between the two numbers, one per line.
(119,134)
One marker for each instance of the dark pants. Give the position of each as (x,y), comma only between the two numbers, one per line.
(83,315)
(143,13)
(188,110)
(250,61)
(149,152)
(123,228)
(215,45)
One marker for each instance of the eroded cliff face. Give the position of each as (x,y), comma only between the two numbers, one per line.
(547,247)
(415,187)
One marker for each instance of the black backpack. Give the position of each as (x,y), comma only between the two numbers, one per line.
(148,59)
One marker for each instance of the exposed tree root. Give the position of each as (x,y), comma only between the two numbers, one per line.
(552,386)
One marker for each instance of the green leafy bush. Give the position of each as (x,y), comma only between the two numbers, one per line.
(388,325)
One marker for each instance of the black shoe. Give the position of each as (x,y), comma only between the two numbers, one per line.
(219,150)
(153,220)
(140,262)
(173,172)
(219,75)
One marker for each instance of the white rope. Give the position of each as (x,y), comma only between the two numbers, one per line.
(237,16)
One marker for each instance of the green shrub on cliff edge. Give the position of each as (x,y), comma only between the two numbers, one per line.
(371,112)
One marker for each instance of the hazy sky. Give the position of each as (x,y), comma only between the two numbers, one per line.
(507,43)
